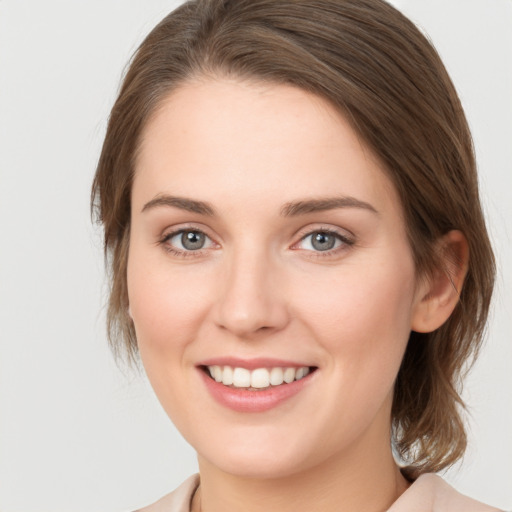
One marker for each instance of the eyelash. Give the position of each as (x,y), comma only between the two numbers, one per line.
(180,253)
(346,242)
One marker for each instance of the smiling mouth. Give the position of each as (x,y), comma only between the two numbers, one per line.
(259,379)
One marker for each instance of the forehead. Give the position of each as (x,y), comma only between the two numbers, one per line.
(223,139)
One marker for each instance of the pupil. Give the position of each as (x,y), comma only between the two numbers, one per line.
(192,240)
(323,241)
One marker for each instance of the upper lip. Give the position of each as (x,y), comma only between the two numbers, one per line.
(253,363)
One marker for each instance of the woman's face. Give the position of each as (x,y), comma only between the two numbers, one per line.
(267,242)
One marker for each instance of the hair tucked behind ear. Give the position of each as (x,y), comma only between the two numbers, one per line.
(375,66)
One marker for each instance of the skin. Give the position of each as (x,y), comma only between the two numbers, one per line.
(258,288)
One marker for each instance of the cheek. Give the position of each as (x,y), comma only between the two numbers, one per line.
(363,325)
(165,305)
(362,317)
(168,306)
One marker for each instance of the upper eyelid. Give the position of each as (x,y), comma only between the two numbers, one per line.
(344,234)
(341,232)
(300,233)
(171,231)
(164,239)
(343,239)
(171,234)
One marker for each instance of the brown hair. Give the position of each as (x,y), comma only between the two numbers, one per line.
(375,66)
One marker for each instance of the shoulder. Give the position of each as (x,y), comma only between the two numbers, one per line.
(431,493)
(178,500)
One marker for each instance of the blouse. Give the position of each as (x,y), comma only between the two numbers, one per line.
(429,493)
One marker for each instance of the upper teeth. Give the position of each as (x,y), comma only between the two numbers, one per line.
(258,378)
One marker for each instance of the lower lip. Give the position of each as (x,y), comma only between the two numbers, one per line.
(243,400)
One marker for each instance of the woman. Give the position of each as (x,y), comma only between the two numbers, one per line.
(298,253)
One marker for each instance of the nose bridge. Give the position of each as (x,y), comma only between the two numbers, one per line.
(250,301)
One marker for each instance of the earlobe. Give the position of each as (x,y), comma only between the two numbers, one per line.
(438,296)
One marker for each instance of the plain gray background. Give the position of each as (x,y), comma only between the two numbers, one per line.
(76,433)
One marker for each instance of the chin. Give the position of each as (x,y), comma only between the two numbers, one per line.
(267,456)
(259,467)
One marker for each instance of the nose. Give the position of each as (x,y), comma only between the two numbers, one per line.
(252,300)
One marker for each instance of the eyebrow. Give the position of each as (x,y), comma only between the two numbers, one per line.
(183,203)
(322,204)
(291,209)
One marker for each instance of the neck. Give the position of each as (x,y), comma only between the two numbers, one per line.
(349,483)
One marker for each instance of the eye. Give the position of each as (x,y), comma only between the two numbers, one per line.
(323,241)
(188,240)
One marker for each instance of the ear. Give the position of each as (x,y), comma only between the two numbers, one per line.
(437,296)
